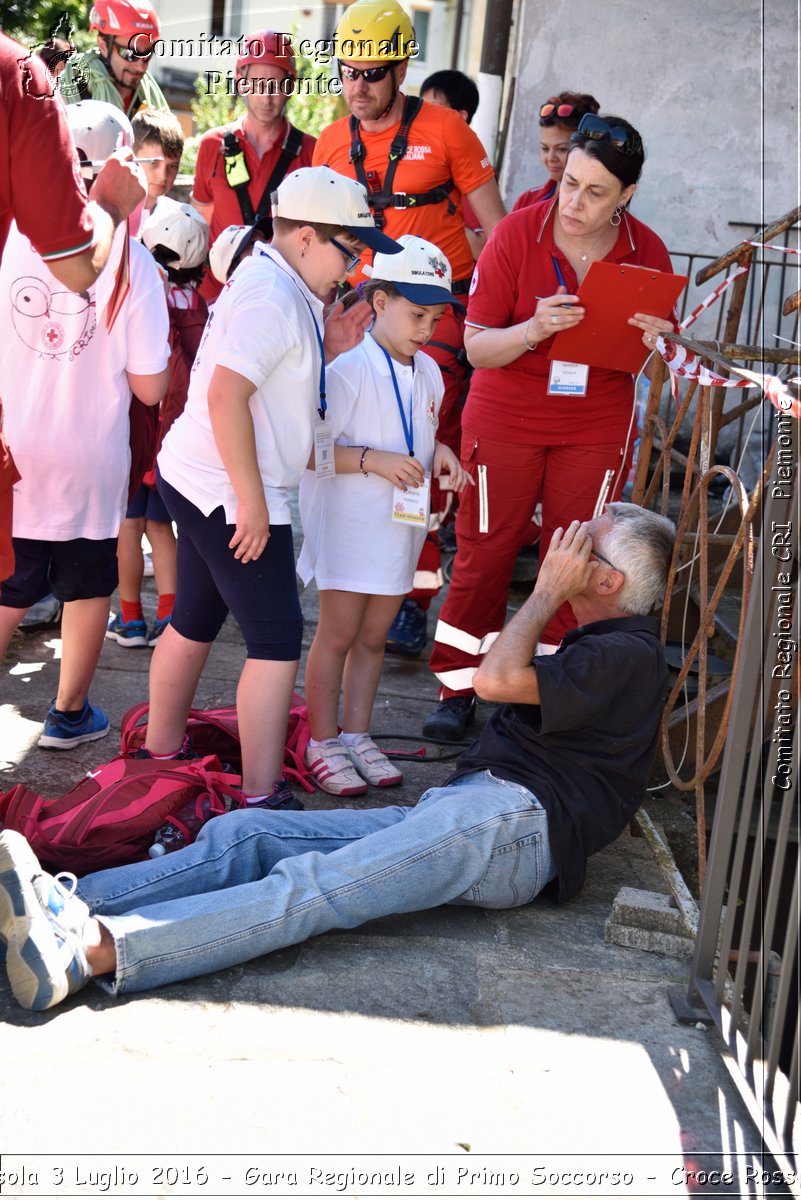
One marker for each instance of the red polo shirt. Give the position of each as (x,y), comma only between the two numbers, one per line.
(440,147)
(546,191)
(511,402)
(211,187)
(38,161)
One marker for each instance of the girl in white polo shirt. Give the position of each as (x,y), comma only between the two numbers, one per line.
(364,527)
(228,462)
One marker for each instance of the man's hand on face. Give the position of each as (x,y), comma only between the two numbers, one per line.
(567,567)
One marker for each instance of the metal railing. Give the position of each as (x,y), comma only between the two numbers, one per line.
(745,970)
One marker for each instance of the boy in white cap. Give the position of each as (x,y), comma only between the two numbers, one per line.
(228,462)
(178,238)
(365,526)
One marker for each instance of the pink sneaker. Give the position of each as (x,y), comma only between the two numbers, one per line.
(331,767)
(371,764)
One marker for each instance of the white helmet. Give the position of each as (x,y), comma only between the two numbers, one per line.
(98,129)
(228,248)
(181,229)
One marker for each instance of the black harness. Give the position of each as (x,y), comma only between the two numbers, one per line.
(232,151)
(380,195)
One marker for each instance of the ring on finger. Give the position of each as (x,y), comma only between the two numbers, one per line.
(554,320)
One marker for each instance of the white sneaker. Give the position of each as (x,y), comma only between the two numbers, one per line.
(331,767)
(42,922)
(371,764)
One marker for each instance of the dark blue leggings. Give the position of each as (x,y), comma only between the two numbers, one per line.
(262,595)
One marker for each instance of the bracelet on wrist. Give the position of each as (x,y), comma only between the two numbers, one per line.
(361,460)
(526,341)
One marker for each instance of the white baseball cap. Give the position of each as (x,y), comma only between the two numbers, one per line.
(421,272)
(181,229)
(228,248)
(320,195)
(98,129)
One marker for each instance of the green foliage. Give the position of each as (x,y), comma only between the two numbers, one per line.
(32,22)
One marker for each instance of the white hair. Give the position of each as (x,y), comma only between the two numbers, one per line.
(640,544)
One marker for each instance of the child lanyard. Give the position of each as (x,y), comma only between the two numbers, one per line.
(410,505)
(324,467)
(408,426)
(566,378)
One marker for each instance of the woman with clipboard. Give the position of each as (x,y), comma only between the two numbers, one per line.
(536,430)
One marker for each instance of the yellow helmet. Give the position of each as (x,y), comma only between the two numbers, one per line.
(370,30)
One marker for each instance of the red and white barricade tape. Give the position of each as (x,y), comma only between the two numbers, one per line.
(682,363)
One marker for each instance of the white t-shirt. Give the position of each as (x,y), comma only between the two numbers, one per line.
(350,541)
(65,390)
(261,327)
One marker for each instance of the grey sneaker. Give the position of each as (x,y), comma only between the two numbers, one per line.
(42,921)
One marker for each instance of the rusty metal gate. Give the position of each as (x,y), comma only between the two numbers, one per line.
(745,970)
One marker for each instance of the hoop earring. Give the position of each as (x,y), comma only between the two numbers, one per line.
(615,218)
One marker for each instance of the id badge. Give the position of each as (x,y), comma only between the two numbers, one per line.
(324,467)
(568,379)
(411,507)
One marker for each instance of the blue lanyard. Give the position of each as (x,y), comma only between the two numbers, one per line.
(559,274)
(323,406)
(408,426)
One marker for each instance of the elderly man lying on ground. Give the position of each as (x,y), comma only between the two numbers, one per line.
(556,774)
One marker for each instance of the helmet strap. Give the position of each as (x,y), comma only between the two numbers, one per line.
(395,90)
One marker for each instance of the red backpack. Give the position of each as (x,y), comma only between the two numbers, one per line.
(216,731)
(110,818)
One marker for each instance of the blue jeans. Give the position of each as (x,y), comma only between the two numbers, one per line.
(257,881)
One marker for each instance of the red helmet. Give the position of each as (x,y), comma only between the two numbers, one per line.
(268,47)
(121,18)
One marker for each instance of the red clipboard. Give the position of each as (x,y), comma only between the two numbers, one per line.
(611,293)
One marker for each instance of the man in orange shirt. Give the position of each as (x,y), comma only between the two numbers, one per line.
(239,166)
(416,161)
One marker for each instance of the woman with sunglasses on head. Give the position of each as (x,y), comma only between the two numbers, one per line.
(559,118)
(536,431)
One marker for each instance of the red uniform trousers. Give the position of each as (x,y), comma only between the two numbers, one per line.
(449,356)
(491,526)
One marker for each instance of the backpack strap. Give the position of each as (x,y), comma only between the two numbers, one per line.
(238,177)
(381,196)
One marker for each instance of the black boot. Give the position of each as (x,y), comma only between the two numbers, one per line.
(450,719)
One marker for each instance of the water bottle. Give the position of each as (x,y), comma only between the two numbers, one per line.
(167,839)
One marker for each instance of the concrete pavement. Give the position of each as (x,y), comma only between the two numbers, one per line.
(453,1034)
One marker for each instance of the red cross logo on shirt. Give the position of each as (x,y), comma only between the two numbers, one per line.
(53,335)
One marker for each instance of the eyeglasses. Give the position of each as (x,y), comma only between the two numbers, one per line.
(351,259)
(597,129)
(133,55)
(369,74)
(595,554)
(553,108)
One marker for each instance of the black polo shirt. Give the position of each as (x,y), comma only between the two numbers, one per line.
(587,748)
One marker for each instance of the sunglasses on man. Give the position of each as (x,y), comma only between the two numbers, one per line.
(129,55)
(597,129)
(368,74)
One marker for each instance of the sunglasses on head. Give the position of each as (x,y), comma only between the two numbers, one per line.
(369,74)
(552,108)
(597,129)
(133,55)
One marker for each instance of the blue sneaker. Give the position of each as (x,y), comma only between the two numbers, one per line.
(62,734)
(282,797)
(42,922)
(408,633)
(159,625)
(127,633)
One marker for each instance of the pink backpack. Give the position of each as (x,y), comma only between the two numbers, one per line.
(111,816)
(216,731)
